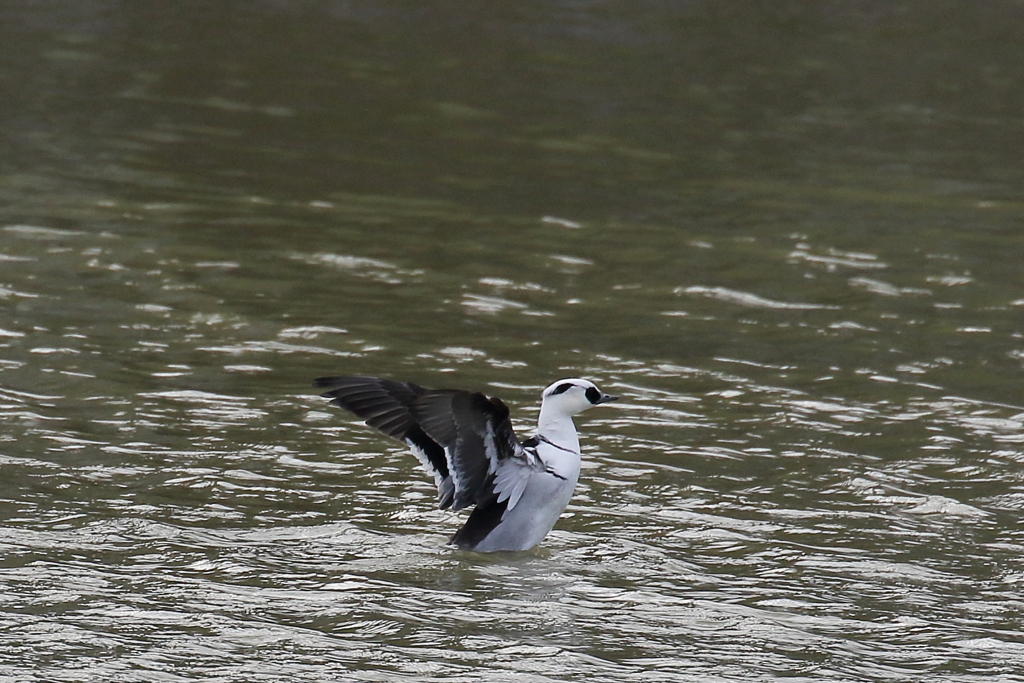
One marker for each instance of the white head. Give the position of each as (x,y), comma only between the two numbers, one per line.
(570,396)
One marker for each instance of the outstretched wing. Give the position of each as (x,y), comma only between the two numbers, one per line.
(384,405)
(461,438)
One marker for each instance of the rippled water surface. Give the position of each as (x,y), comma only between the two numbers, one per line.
(799,266)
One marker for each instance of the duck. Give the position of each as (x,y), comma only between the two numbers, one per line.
(517,489)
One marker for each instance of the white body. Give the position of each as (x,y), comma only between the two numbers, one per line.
(544,499)
(550,482)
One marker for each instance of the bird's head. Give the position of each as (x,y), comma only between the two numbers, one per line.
(571,396)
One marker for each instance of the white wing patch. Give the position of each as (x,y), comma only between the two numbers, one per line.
(510,482)
(453,471)
(513,474)
(443,484)
(424,462)
(491,449)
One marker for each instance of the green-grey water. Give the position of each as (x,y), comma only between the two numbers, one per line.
(787,234)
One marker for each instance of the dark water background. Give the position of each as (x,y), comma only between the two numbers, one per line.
(789,234)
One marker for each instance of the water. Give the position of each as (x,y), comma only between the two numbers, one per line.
(798,265)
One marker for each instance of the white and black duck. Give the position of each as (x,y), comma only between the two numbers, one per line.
(465,440)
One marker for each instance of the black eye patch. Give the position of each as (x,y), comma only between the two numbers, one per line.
(562,388)
(593,395)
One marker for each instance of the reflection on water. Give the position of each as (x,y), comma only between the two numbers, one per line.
(807,294)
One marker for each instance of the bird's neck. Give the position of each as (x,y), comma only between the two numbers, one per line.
(559,429)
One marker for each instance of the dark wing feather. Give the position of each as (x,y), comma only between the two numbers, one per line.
(462,435)
(385,405)
(482,521)
(476,435)
(433,412)
(382,403)
(442,417)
